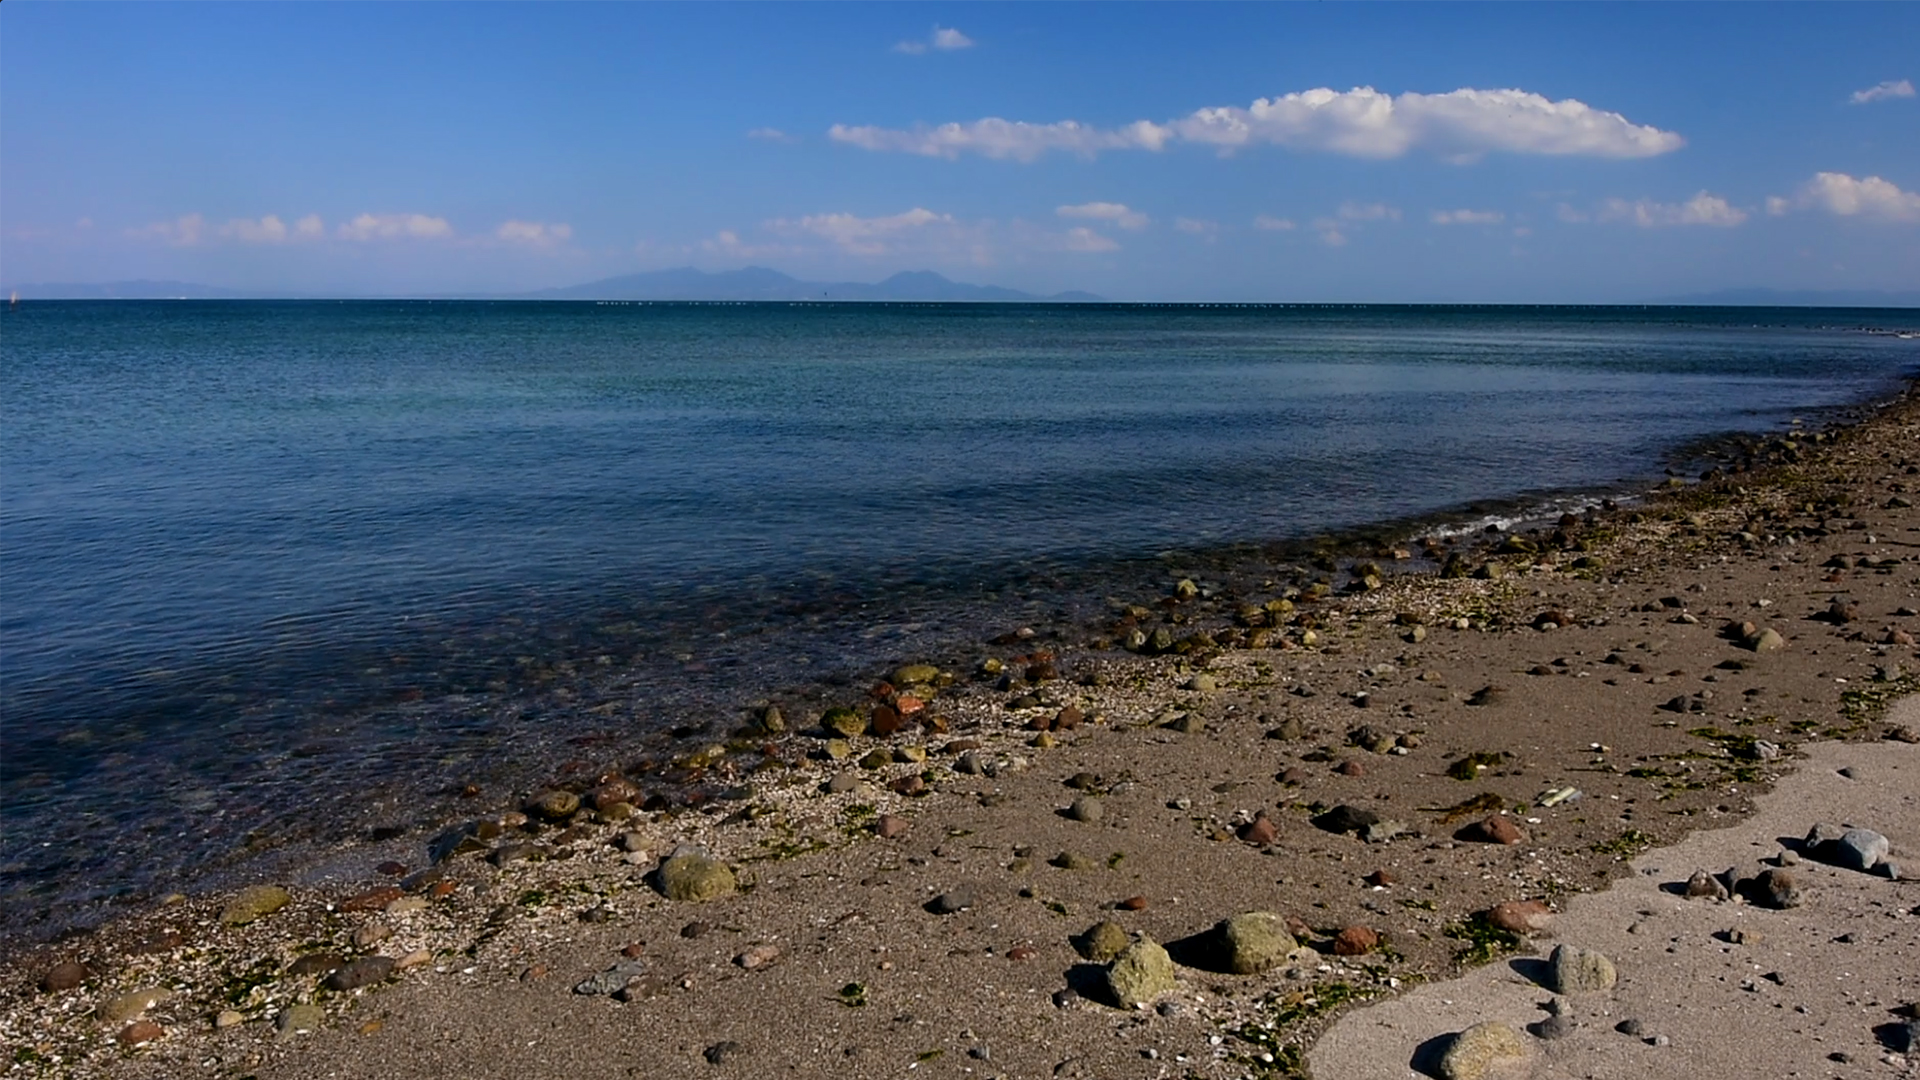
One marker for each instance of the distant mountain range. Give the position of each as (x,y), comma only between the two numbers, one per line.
(1874,298)
(685,283)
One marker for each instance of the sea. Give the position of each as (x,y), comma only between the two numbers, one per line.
(278,577)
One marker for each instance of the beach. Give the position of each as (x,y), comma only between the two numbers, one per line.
(1603,700)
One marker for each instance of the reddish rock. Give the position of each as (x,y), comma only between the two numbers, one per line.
(1039,723)
(881,691)
(1068,718)
(884,722)
(1350,768)
(64,976)
(374,899)
(1298,927)
(890,827)
(634,950)
(908,705)
(440,890)
(140,1033)
(1379,878)
(1494,829)
(1132,903)
(535,973)
(1260,831)
(391,869)
(1355,941)
(1293,775)
(1042,671)
(1520,916)
(1022,952)
(614,791)
(933,725)
(910,784)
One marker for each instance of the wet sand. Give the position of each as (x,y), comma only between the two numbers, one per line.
(1608,659)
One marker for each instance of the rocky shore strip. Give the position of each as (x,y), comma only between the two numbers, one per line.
(1182,841)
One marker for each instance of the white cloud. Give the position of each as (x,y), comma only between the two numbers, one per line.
(1702,209)
(1330,232)
(535,233)
(1353,211)
(1839,193)
(1885,91)
(1081,238)
(1467,217)
(1568,213)
(1777,206)
(271,230)
(1363,122)
(727,243)
(394,226)
(1118,213)
(309,228)
(997,138)
(1269,223)
(771,135)
(1196,226)
(943,38)
(864,236)
(183,231)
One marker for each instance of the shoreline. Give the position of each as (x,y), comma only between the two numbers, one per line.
(1354,653)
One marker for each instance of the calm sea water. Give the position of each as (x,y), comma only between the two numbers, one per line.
(270,569)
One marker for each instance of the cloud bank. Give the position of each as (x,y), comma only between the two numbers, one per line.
(1466,217)
(1362,122)
(1118,213)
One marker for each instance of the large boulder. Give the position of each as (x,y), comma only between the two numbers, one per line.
(1143,971)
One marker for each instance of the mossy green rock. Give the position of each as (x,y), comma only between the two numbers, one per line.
(1253,942)
(1143,971)
(254,902)
(1103,941)
(909,674)
(844,721)
(1481,1049)
(696,878)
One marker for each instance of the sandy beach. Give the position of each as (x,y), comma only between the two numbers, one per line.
(1574,718)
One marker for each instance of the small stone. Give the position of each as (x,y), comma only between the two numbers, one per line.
(300,1019)
(843,783)
(951,902)
(1141,972)
(1766,640)
(1573,970)
(1494,829)
(1629,1026)
(1704,885)
(1185,723)
(365,971)
(1523,917)
(1253,942)
(1350,768)
(1478,1051)
(1355,941)
(844,722)
(1382,831)
(321,963)
(1086,808)
(722,1052)
(757,957)
(1072,860)
(371,900)
(1379,879)
(140,1033)
(1777,888)
(254,902)
(1103,941)
(1557,1026)
(554,805)
(228,1018)
(696,878)
(1133,903)
(613,980)
(1260,831)
(64,976)
(890,827)
(121,1008)
(1346,819)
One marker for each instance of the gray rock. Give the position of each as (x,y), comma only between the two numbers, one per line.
(1860,849)
(1573,970)
(1479,1050)
(1705,885)
(1557,1026)
(722,1052)
(951,902)
(842,783)
(1822,834)
(1142,972)
(612,980)
(1085,809)
(1346,819)
(695,878)
(1904,1038)
(1382,831)
(1253,942)
(297,1019)
(362,972)
(121,1008)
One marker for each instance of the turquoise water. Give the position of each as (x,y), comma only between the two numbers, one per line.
(260,555)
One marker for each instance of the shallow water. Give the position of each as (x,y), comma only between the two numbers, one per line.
(272,570)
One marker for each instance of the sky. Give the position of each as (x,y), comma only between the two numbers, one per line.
(1549,153)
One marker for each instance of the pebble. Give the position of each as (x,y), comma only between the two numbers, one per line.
(140,1033)
(365,971)
(722,1052)
(1494,829)
(321,963)
(228,1018)
(1777,888)
(254,902)
(694,877)
(890,827)
(64,976)
(758,956)
(1252,942)
(121,1008)
(554,805)
(1573,970)
(1260,831)
(1132,903)
(1702,885)
(1479,1050)
(300,1019)
(612,980)
(1085,808)
(1141,972)
(951,902)
(1520,916)
(1355,941)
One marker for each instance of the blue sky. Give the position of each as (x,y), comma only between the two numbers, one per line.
(1435,152)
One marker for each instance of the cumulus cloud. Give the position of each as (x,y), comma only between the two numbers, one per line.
(535,233)
(727,243)
(1703,209)
(1885,91)
(771,135)
(1118,213)
(997,138)
(1353,211)
(1872,197)
(183,231)
(1081,238)
(943,38)
(368,227)
(1196,226)
(864,235)
(1330,232)
(1466,217)
(1269,223)
(271,230)
(1362,122)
